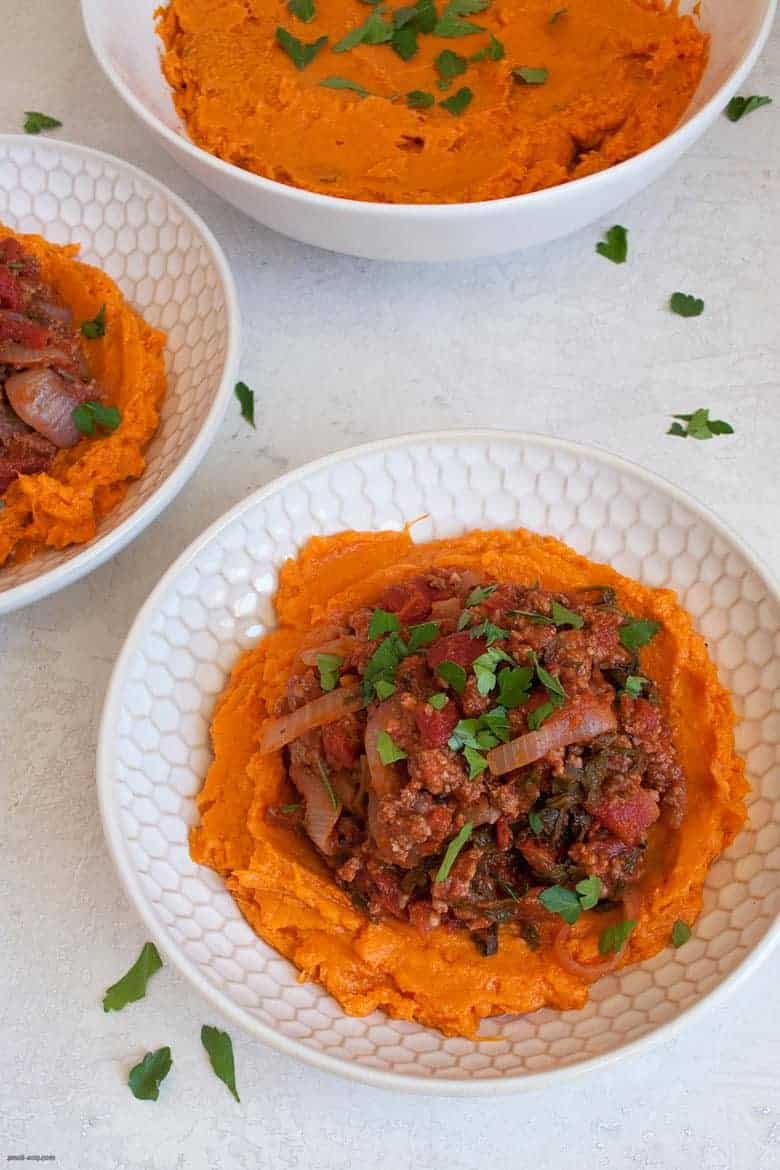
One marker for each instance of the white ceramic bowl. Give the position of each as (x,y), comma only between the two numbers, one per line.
(216,601)
(123,40)
(170,267)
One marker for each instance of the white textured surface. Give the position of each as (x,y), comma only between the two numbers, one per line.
(154,745)
(341,351)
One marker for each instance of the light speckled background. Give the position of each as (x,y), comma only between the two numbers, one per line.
(341,351)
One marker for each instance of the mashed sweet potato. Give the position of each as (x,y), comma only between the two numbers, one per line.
(439,978)
(620,74)
(63,505)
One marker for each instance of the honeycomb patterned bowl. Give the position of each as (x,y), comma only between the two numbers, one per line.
(217,600)
(170,267)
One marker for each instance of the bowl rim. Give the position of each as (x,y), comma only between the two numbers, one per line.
(101,548)
(447,1087)
(404,211)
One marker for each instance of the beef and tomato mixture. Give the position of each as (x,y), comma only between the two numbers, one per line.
(469,753)
(43,373)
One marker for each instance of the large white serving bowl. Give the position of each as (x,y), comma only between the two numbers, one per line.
(169,267)
(216,601)
(124,42)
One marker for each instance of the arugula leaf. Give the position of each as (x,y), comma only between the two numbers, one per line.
(614,938)
(681,932)
(422,635)
(35,121)
(490,632)
(438,701)
(589,890)
(480,594)
(381,623)
(513,685)
(559,900)
(300,54)
(485,668)
(219,1046)
(453,849)
(551,684)
(374,31)
(96,327)
(246,398)
(493,51)
(615,245)
(344,83)
(739,106)
(384,689)
(452,674)
(326,784)
(556,16)
(303,9)
(329,668)
(634,684)
(449,65)
(389,752)
(685,305)
(475,760)
(535,822)
(459,101)
(88,415)
(637,632)
(418,99)
(145,1078)
(699,425)
(528,76)
(132,985)
(566,617)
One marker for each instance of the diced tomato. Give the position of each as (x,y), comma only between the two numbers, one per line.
(10,294)
(411,600)
(21,330)
(342,742)
(460,648)
(628,817)
(435,727)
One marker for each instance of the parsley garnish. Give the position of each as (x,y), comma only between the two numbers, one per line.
(485,668)
(535,822)
(551,684)
(219,1046)
(300,54)
(556,16)
(490,632)
(303,9)
(422,635)
(589,890)
(634,684)
(528,76)
(453,849)
(329,668)
(373,31)
(681,932)
(246,399)
(451,24)
(493,51)
(132,985)
(453,674)
(513,685)
(637,632)
(699,425)
(389,752)
(538,619)
(326,784)
(475,760)
(145,1078)
(739,106)
(408,23)
(438,701)
(96,327)
(418,99)
(35,121)
(384,689)
(562,616)
(615,245)
(614,937)
(381,623)
(88,415)
(382,664)
(449,65)
(685,305)
(537,717)
(497,723)
(344,83)
(480,594)
(465,619)
(559,900)
(459,101)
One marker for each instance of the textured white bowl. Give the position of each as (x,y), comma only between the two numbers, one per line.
(216,601)
(123,40)
(169,266)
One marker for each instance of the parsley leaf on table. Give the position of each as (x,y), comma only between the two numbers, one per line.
(685,305)
(739,106)
(246,399)
(699,425)
(615,244)
(132,985)
(219,1046)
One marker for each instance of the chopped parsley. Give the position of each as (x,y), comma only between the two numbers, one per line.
(246,399)
(96,327)
(699,425)
(418,99)
(373,31)
(739,106)
(480,594)
(492,51)
(132,985)
(459,102)
(490,632)
(514,685)
(562,616)
(637,632)
(528,76)
(382,664)
(685,305)
(145,1078)
(453,674)
(453,849)
(389,752)
(303,9)
(559,900)
(422,635)
(384,689)
(88,415)
(633,686)
(381,623)
(329,669)
(551,684)
(219,1047)
(535,822)
(438,701)
(299,53)
(613,938)
(485,667)
(681,932)
(35,122)
(449,65)
(538,619)
(589,890)
(344,83)
(615,245)
(451,22)
(475,760)
(537,717)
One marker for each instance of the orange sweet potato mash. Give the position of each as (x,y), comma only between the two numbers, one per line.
(620,74)
(62,506)
(439,979)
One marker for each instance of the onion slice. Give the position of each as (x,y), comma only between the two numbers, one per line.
(341,646)
(320,815)
(327,709)
(577,722)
